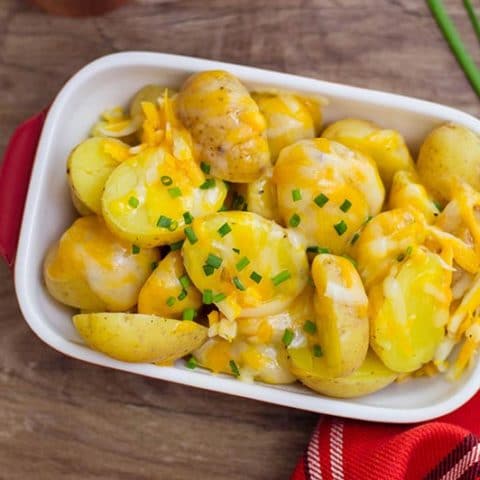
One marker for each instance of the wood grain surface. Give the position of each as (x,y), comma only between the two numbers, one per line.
(60,418)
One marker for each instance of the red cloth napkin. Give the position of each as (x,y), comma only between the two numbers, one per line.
(446,449)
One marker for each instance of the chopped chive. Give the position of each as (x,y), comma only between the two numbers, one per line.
(187,216)
(310,281)
(173,226)
(154,265)
(166,180)
(315,249)
(294,220)
(184,281)
(205,167)
(208,270)
(354,239)
(256,277)
(234,368)
(135,249)
(368,220)
(189,314)
(223,208)
(176,246)
(192,363)
(219,297)
(288,337)
(208,183)
(170,301)
(214,261)
(345,206)
(400,257)
(309,327)
(238,284)
(409,250)
(133,202)
(190,234)
(437,205)
(238,202)
(242,263)
(296,195)
(350,259)
(175,192)
(164,222)
(281,277)
(321,200)
(183,294)
(317,351)
(236,250)
(207,297)
(225,229)
(340,227)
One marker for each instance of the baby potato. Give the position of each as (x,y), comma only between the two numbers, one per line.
(131,337)
(88,168)
(406,192)
(148,93)
(149,197)
(370,377)
(341,307)
(409,310)
(91,269)
(168,291)
(226,125)
(386,147)
(115,123)
(288,119)
(449,154)
(326,191)
(250,265)
(384,239)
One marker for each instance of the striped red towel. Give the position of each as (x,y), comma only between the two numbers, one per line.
(446,449)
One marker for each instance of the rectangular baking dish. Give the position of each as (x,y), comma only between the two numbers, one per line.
(110,81)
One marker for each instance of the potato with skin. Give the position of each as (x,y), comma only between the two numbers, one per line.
(386,147)
(91,269)
(148,93)
(341,307)
(370,377)
(131,337)
(226,125)
(450,154)
(88,168)
(163,293)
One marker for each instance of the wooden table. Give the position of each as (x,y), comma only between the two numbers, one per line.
(63,418)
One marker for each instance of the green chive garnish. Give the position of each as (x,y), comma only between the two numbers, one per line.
(238,284)
(340,227)
(207,297)
(238,202)
(438,205)
(176,246)
(133,202)
(173,226)
(183,294)
(321,200)
(190,234)
(400,257)
(256,277)
(175,192)
(236,250)
(223,208)
(208,183)
(135,249)
(170,301)
(214,261)
(288,337)
(409,250)
(164,222)
(242,263)
(281,277)
(184,281)
(219,297)
(225,229)
(166,180)
(187,216)
(234,368)
(294,220)
(191,363)
(296,195)
(350,259)
(354,239)
(317,351)
(309,327)
(205,167)
(345,206)
(315,249)
(154,265)
(208,270)
(189,314)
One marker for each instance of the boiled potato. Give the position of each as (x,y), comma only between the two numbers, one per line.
(326,191)
(406,191)
(370,377)
(148,93)
(386,147)
(115,123)
(288,119)
(88,168)
(91,269)
(226,125)
(258,266)
(341,308)
(409,310)
(163,294)
(131,337)
(449,154)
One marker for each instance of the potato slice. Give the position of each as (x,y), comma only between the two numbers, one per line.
(341,308)
(131,337)
(370,377)
(163,293)
(258,266)
(89,166)
(148,93)
(409,311)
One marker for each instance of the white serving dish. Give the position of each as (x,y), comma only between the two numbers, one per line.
(110,81)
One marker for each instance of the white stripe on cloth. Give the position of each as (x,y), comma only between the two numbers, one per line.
(469,459)
(313,454)
(336,449)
